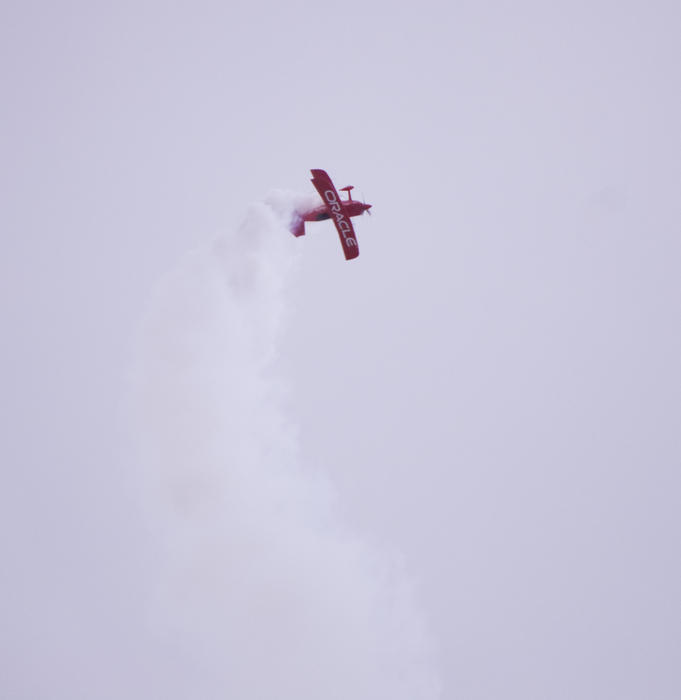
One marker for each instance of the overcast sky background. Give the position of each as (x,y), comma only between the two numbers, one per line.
(492,389)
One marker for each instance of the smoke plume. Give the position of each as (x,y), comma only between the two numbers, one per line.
(260,592)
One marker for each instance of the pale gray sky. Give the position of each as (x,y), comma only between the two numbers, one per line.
(506,348)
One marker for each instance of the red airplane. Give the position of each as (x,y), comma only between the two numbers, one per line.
(332,208)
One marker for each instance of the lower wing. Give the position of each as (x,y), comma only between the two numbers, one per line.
(329,195)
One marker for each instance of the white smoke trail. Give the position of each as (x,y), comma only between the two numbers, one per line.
(261,594)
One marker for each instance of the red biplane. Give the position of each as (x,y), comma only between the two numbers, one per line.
(332,208)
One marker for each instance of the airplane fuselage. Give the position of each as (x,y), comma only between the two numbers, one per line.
(349,208)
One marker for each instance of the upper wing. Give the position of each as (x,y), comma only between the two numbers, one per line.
(346,232)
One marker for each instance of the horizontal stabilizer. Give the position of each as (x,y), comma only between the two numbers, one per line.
(297,226)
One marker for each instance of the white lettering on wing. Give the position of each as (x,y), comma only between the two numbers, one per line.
(341,220)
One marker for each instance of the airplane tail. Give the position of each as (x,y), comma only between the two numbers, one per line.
(297,226)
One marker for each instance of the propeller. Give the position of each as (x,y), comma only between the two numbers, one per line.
(364,201)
